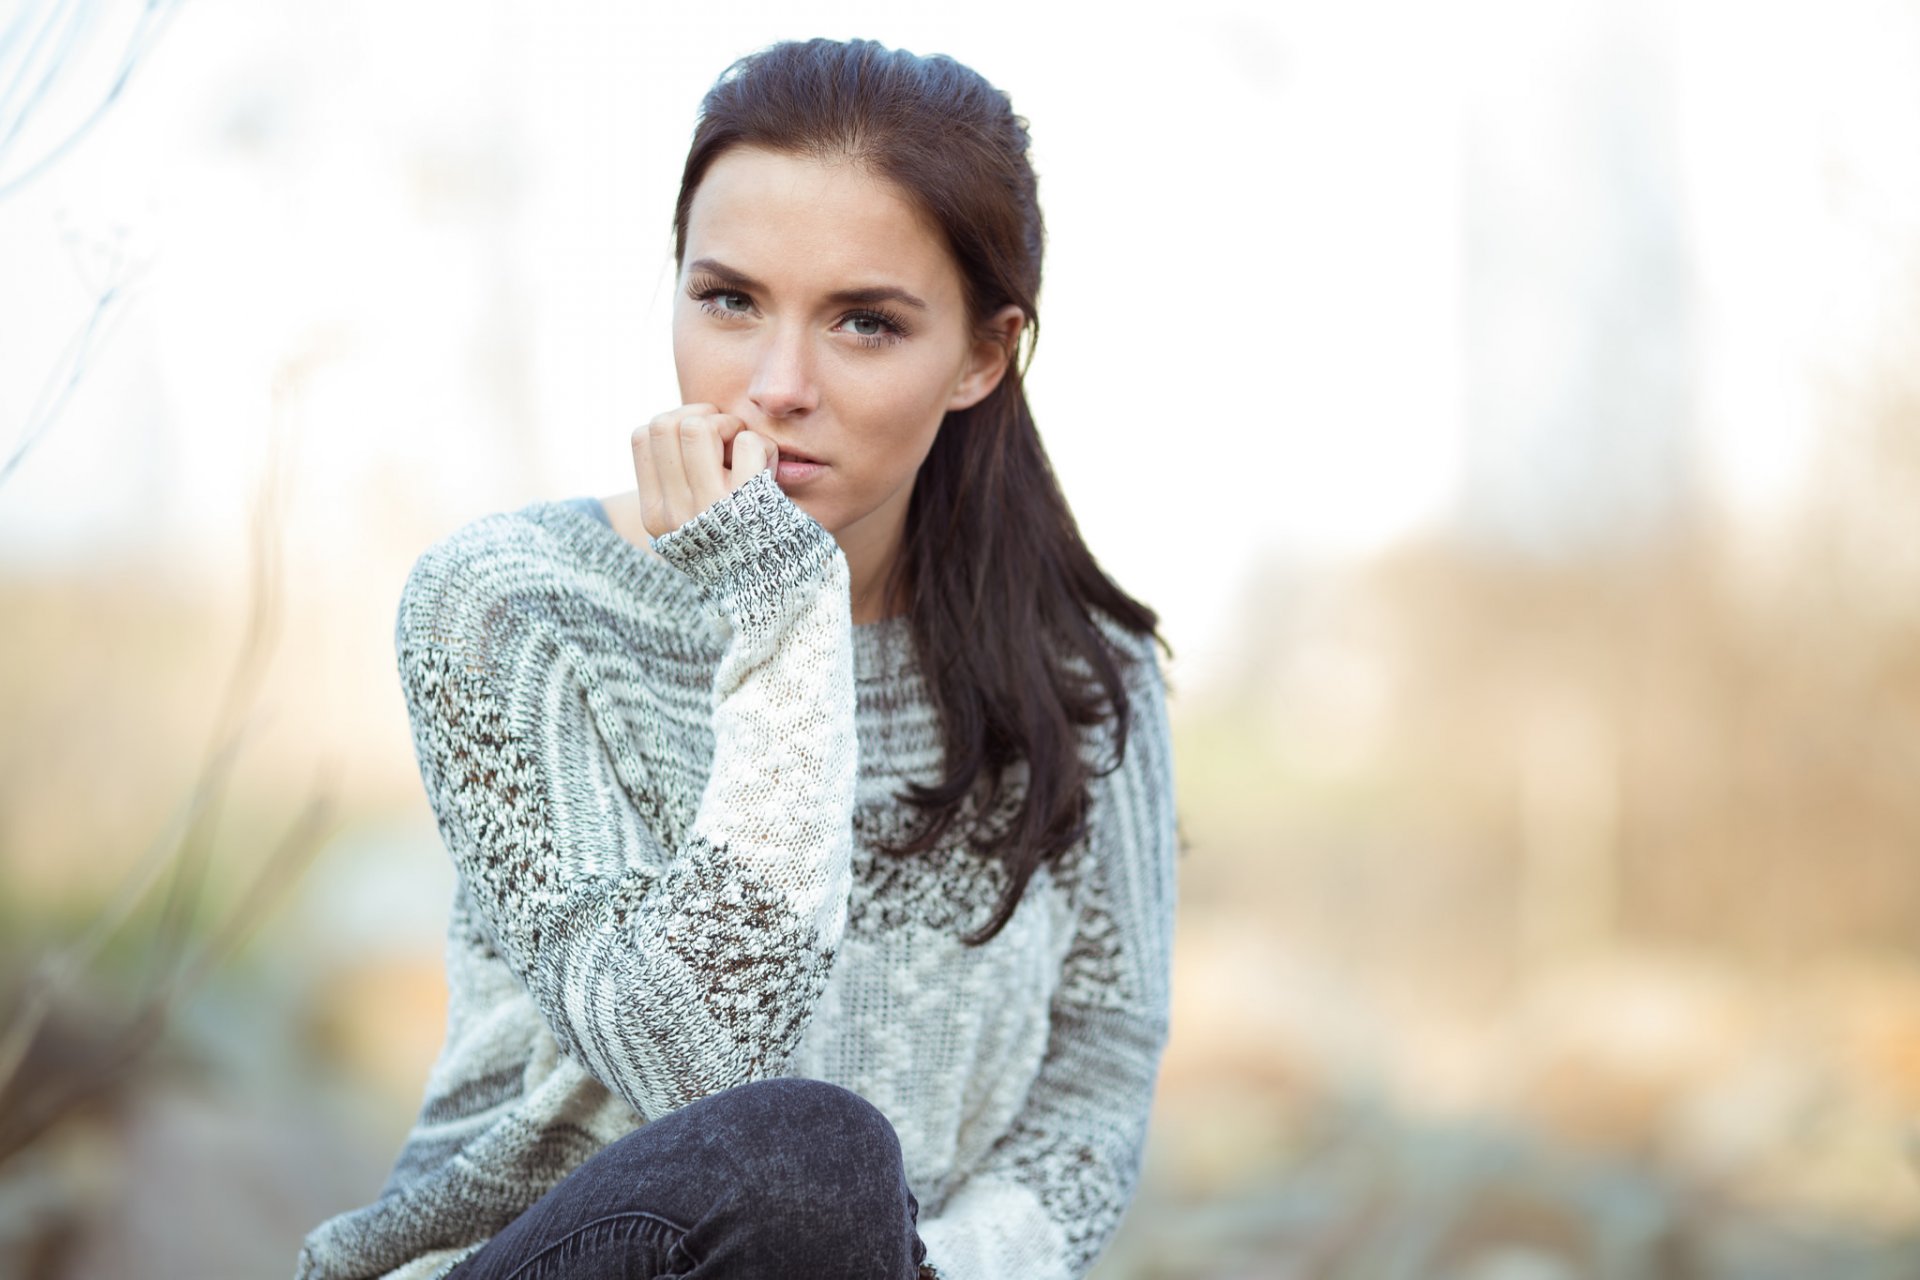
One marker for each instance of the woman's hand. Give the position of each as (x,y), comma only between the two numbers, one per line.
(689,458)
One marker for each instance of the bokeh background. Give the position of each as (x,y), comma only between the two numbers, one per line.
(1513,409)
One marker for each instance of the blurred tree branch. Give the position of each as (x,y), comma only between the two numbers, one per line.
(181,854)
(37,48)
(39,45)
(66,376)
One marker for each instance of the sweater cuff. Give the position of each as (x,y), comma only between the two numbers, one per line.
(749,549)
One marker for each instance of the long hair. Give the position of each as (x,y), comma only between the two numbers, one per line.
(1002,592)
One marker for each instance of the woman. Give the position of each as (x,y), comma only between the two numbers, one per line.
(812,803)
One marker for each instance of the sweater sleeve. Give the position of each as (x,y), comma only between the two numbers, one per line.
(668,974)
(1052,1190)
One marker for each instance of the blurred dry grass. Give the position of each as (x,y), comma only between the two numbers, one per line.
(1613,857)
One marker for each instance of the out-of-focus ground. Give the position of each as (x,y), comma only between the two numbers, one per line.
(1537,921)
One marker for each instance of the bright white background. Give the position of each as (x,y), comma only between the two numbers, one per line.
(1319,276)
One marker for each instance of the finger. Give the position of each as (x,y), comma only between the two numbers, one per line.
(646,479)
(676,495)
(751,454)
(700,449)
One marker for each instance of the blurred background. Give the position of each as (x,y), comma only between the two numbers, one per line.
(1512,408)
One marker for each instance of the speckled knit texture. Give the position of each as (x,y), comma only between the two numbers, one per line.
(661,781)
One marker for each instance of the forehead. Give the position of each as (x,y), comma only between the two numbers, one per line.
(800,223)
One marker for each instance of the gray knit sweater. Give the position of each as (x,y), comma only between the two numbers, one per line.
(661,781)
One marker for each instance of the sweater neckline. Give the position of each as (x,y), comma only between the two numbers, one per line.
(882,649)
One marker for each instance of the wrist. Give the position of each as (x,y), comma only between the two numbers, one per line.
(749,549)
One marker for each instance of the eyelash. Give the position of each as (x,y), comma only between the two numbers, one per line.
(705,291)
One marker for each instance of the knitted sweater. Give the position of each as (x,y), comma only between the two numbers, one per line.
(661,780)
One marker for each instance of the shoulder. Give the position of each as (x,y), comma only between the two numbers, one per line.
(1131,710)
(1140,650)
(1138,656)
(623,513)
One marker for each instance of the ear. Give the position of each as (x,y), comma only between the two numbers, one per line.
(987,362)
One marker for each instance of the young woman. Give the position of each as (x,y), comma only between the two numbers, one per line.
(812,803)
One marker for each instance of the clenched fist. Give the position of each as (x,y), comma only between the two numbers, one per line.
(689,458)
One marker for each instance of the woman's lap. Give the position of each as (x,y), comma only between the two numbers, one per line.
(779,1178)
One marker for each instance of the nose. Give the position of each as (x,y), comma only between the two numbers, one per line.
(783,385)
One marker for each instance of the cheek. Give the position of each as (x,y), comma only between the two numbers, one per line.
(683,363)
(700,364)
(900,448)
(905,402)
(892,428)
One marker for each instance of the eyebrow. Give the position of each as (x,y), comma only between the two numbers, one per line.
(840,297)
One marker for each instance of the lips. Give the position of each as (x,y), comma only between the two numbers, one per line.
(786,455)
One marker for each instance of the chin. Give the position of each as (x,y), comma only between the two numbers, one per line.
(814,508)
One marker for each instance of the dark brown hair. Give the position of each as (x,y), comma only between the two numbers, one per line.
(1001,589)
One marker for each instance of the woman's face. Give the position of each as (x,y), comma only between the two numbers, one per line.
(818,307)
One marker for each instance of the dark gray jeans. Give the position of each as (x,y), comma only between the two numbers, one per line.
(777,1179)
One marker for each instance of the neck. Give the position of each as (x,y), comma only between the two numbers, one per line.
(868,603)
(870,555)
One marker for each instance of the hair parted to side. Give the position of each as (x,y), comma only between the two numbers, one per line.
(1002,590)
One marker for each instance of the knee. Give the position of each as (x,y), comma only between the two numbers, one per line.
(816,1139)
(806,1116)
(817,1180)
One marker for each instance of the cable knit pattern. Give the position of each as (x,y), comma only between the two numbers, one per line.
(661,781)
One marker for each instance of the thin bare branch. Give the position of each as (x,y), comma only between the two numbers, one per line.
(262,635)
(65,377)
(49,979)
(33,1115)
(186,846)
(153,19)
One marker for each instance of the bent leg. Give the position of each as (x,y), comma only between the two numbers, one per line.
(778,1178)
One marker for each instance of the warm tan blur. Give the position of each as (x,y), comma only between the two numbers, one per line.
(1561,918)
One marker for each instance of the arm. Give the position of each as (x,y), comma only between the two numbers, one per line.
(667,986)
(1052,1191)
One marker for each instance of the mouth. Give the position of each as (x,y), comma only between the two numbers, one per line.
(797,469)
(786,455)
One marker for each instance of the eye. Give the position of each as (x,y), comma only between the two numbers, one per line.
(716,298)
(726,302)
(875,328)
